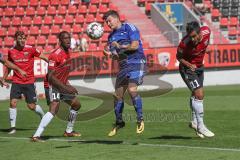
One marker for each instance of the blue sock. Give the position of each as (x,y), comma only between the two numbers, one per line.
(118,109)
(137,102)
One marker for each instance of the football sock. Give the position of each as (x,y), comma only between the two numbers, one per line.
(137,102)
(13,116)
(71,120)
(39,110)
(193,114)
(198,108)
(46,119)
(118,109)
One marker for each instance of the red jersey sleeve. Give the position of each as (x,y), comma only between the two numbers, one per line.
(53,61)
(36,52)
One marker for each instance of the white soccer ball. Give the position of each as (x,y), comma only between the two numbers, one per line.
(95,30)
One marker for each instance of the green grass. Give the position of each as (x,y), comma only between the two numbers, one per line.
(166,129)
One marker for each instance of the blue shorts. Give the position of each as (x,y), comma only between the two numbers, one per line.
(131,73)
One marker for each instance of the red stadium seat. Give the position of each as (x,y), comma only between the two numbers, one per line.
(55,2)
(45,30)
(33,3)
(19,12)
(51,10)
(5,22)
(48,20)
(41,40)
(79,19)
(41,11)
(122,18)
(12,3)
(92,47)
(1,43)
(223,23)
(106,28)
(16,21)
(72,9)
(48,48)
(30,11)
(92,9)
(52,39)
(113,7)
(105,2)
(24,29)
(9,41)
(12,31)
(232,33)
(2,32)
(65,2)
(77,29)
(99,18)
(1,12)
(104,38)
(4,51)
(9,12)
(55,29)
(34,30)
(148,8)
(40,48)
(103,9)
(44,3)
(215,15)
(69,19)
(95,2)
(31,40)
(23,3)
(26,21)
(66,28)
(233,22)
(58,20)
(62,10)
(3,3)
(90,18)
(37,20)
(82,9)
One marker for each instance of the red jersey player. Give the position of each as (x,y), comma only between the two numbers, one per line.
(190,54)
(22,56)
(58,72)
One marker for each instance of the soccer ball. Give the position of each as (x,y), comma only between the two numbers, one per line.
(95,30)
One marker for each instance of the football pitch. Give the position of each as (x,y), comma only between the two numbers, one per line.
(166,136)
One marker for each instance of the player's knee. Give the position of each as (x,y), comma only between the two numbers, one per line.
(117,97)
(31,106)
(199,96)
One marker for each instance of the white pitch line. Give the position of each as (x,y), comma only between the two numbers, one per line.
(139,144)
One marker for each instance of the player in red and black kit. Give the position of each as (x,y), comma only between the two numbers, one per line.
(22,56)
(59,88)
(190,54)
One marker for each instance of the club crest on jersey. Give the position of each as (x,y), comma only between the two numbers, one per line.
(25,53)
(164,58)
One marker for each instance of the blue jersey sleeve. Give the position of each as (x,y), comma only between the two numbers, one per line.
(133,32)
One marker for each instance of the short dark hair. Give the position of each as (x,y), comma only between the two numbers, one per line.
(62,33)
(110,13)
(193,26)
(18,33)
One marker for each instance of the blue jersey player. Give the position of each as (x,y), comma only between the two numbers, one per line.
(124,44)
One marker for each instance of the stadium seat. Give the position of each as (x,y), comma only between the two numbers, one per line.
(51,10)
(225,3)
(105,2)
(12,3)
(1,43)
(72,9)
(99,18)
(215,15)
(2,32)
(90,18)
(234,12)
(1,12)
(65,2)
(23,3)
(104,38)
(225,12)
(39,48)
(24,29)
(77,29)
(106,28)
(92,9)
(48,20)
(95,2)
(4,50)
(58,20)
(9,12)
(34,3)
(55,29)
(79,19)
(223,23)
(62,10)
(232,33)
(41,40)
(31,40)
(19,12)
(66,28)
(235,3)
(26,21)
(16,21)
(3,3)
(69,19)
(122,18)
(233,22)
(41,11)
(37,20)
(103,9)
(5,22)
(92,47)
(9,41)
(148,8)
(55,2)
(216,4)
(52,39)
(30,11)
(11,31)
(82,9)
(45,30)
(113,7)
(48,48)
(45,3)
(34,30)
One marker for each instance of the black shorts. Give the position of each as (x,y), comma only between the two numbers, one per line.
(28,90)
(193,79)
(47,95)
(54,95)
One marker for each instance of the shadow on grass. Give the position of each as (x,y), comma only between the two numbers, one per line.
(97,142)
(167,137)
(18,129)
